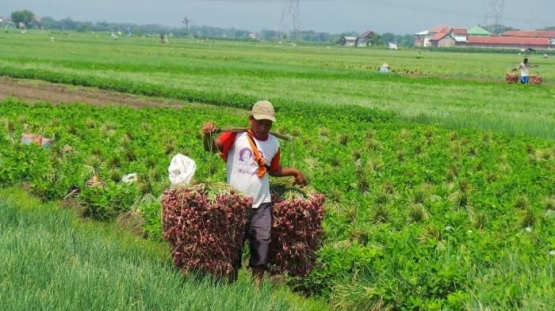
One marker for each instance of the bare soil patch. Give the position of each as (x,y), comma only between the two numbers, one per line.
(34,91)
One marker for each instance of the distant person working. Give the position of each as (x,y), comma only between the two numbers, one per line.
(384,68)
(524,72)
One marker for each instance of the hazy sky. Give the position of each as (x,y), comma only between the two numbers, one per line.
(333,16)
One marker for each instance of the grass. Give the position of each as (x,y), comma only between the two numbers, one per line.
(528,283)
(53,261)
(456,90)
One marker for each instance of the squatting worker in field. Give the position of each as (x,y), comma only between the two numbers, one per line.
(251,156)
(384,68)
(524,72)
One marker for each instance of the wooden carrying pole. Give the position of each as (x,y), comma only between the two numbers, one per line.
(241,129)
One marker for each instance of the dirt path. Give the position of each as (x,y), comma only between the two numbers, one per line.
(39,91)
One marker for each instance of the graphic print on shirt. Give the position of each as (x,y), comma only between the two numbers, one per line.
(245,155)
(247,165)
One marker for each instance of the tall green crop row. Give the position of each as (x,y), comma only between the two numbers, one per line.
(417,217)
(457,90)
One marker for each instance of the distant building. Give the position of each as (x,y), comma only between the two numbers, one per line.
(421,39)
(477,37)
(508,42)
(424,38)
(442,40)
(369,34)
(459,34)
(347,41)
(478,31)
(450,38)
(366,38)
(529,34)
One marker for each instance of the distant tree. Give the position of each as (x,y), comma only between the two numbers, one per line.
(376,39)
(341,39)
(48,22)
(550,28)
(497,29)
(68,24)
(270,34)
(388,37)
(240,34)
(324,37)
(186,21)
(308,35)
(25,16)
(214,32)
(405,40)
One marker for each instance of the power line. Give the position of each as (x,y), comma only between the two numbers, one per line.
(494,14)
(494,10)
(290,20)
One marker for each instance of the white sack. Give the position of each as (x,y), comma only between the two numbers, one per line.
(181,170)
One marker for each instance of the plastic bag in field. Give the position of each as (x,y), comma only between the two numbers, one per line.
(129,178)
(181,170)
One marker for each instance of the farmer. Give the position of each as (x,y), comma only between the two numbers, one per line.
(524,73)
(251,176)
(384,68)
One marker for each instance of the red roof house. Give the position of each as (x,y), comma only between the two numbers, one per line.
(507,42)
(442,40)
(529,34)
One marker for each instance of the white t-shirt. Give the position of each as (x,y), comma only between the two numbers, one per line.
(523,70)
(242,169)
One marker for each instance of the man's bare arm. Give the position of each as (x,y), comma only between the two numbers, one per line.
(287,171)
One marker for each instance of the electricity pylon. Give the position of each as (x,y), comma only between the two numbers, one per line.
(290,24)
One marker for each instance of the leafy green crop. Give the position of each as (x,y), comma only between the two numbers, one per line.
(416,216)
(445,203)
